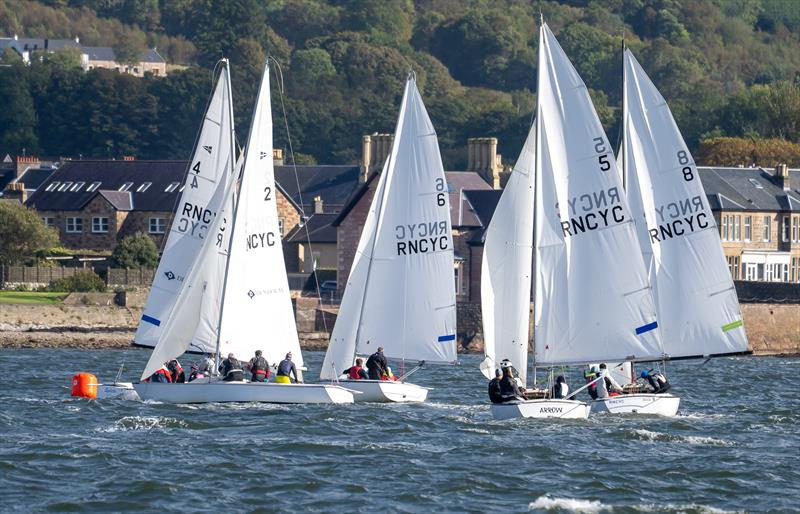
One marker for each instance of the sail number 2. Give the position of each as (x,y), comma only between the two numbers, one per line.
(440,198)
(602,159)
(683,160)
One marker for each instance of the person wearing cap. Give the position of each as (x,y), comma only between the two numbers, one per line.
(657,381)
(509,390)
(506,363)
(376,364)
(259,368)
(231,369)
(286,369)
(495,393)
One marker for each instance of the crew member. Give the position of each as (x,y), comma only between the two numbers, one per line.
(657,381)
(607,386)
(509,390)
(590,374)
(231,369)
(176,371)
(560,388)
(259,368)
(357,372)
(495,393)
(389,375)
(376,364)
(286,369)
(162,375)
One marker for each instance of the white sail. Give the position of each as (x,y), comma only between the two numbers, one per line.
(342,347)
(257,306)
(697,306)
(506,269)
(593,300)
(210,165)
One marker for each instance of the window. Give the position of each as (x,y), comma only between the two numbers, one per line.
(144,187)
(126,186)
(786,229)
(52,186)
(725,228)
(65,186)
(796,229)
(737,227)
(795,269)
(731,234)
(158,225)
(459,276)
(280,226)
(756,183)
(74,225)
(99,224)
(77,187)
(93,186)
(748,221)
(733,266)
(767,228)
(49,221)
(750,271)
(172,187)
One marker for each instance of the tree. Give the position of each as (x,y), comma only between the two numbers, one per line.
(17,116)
(136,251)
(22,233)
(735,151)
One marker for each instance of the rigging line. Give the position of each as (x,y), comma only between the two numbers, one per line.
(303,219)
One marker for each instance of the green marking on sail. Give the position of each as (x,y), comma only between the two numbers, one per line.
(732,325)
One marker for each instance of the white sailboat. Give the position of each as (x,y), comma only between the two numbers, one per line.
(698,309)
(400,293)
(236,293)
(592,299)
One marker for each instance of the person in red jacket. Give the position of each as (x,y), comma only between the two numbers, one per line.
(161,375)
(357,372)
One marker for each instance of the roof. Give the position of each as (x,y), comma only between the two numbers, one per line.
(100,53)
(31,44)
(111,177)
(334,184)
(483,204)
(151,55)
(34,177)
(121,200)
(320,230)
(749,189)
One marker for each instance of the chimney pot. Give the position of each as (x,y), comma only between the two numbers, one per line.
(318,207)
(782,174)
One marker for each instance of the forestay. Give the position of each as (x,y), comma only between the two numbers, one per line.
(210,166)
(593,301)
(506,269)
(257,305)
(697,305)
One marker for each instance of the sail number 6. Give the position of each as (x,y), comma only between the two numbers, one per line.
(602,159)
(440,200)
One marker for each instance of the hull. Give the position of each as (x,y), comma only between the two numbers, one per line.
(117,390)
(639,403)
(208,392)
(383,391)
(564,409)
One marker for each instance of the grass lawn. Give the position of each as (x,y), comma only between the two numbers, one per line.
(26,297)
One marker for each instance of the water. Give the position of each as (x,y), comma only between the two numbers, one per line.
(733,447)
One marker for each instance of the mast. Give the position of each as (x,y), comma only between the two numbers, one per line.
(536,152)
(235,209)
(623,127)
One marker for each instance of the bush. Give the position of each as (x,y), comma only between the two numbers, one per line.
(83,281)
(136,251)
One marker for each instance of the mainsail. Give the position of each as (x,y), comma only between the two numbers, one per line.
(697,305)
(593,301)
(506,269)
(210,166)
(407,302)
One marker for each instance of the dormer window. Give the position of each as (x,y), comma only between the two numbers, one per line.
(126,186)
(144,187)
(756,183)
(172,187)
(93,186)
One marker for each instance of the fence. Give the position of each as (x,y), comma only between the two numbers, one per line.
(43,275)
(141,277)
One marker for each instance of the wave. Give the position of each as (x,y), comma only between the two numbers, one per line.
(143,423)
(649,435)
(568,504)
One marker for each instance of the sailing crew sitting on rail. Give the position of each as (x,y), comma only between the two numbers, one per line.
(207,366)
(162,375)
(506,363)
(376,364)
(657,381)
(176,371)
(231,369)
(285,369)
(495,393)
(356,372)
(590,374)
(607,386)
(509,390)
(388,375)
(560,388)
(259,368)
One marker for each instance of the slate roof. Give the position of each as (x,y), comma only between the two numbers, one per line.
(34,177)
(111,175)
(100,53)
(320,230)
(95,53)
(121,200)
(334,184)
(151,55)
(749,189)
(483,204)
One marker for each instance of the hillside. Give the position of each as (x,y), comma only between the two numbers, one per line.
(727,68)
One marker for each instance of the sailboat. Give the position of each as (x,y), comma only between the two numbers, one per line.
(592,300)
(236,292)
(698,310)
(400,293)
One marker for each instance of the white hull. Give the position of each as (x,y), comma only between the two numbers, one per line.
(638,403)
(383,391)
(564,409)
(117,390)
(205,392)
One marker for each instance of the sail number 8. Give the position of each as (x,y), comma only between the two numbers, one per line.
(683,160)
(602,159)
(440,199)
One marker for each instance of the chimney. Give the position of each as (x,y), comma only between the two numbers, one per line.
(277,157)
(24,162)
(375,150)
(128,158)
(483,159)
(318,205)
(782,174)
(16,190)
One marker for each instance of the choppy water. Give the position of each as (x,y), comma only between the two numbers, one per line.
(734,447)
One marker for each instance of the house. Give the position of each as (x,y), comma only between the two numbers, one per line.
(20,177)
(90,56)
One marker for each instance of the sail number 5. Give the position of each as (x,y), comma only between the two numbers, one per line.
(440,199)
(683,160)
(602,159)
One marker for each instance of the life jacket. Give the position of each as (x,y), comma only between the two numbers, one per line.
(353,372)
(163,372)
(175,369)
(259,366)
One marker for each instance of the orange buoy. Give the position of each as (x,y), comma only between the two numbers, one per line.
(84,384)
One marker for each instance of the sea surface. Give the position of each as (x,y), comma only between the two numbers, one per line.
(735,446)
